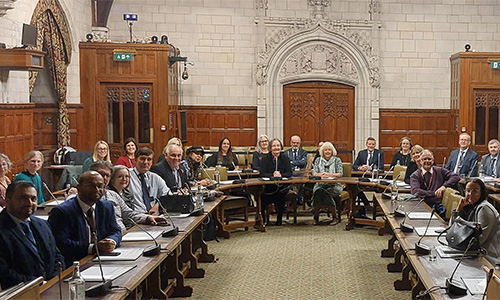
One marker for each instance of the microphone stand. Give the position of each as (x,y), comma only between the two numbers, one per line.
(240,180)
(51,195)
(455,287)
(472,169)
(362,178)
(409,228)
(197,210)
(104,287)
(151,250)
(444,161)
(175,230)
(423,249)
(385,176)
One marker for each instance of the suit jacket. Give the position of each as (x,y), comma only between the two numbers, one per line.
(164,170)
(440,177)
(363,155)
(70,230)
(268,166)
(485,167)
(18,261)
(470,157)
(301,159)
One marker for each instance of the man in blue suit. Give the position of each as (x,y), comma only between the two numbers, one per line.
(84,222)
(490,163)
(369,158)
(298,160)
(463,160)
(27,247)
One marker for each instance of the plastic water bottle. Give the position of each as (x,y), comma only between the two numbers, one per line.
(217,176)
(199,198)
(76,284)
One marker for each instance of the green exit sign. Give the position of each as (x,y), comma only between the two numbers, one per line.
(495,64)
(123,56)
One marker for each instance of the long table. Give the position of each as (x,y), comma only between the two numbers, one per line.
(160,276)
(418,272)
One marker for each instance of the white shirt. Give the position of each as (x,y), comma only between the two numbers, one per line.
(156,187)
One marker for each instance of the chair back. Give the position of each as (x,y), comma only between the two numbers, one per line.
(310,161)
(451,197)
(211,171)
(399,169)
(223,173)
(346,169)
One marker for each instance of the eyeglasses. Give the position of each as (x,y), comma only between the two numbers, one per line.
(426,158)
(102,149)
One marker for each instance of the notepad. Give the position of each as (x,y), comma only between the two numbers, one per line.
(421,216)
(126,254)
(136,236)
(476,286)
(110,272)
(431,231)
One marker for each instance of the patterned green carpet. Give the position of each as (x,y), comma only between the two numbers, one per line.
(299,261)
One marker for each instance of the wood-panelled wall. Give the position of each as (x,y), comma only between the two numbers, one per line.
(16,133)
(206,125)
(432,129)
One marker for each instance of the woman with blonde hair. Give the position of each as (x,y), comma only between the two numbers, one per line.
(5,166)
(33,162)
(261,150)
(415,163)
(101,152)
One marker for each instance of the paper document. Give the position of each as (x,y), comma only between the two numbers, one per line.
(475,285)
(125,254)
(448,252)
(136,236)
(421,216)
(431,231)
(110,272)
(226,182)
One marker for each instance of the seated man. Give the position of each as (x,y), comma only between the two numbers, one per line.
(145,186)
(123,213)
(490,163)
(84,222)
(27,247)
(170,169)
(431,181)
(370,158)
(298,160)
(463,160)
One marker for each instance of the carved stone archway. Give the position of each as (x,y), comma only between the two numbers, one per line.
(318,50)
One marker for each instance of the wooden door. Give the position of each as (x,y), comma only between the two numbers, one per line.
(486,117)
(320,111)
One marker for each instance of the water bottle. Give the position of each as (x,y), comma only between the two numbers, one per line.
(394,192)
(199,198)
(217,176)
(76,284)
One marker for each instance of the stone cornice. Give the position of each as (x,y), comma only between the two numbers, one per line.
(5,5)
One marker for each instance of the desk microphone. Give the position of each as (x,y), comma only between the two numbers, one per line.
(74,179)
(456,287)
(197,211)
(51,195)
(171,232)
(362,178)
(240,180)
(203,168)
(472,169)
(423,249)
(382,181)
(384,193)
(103,287)
(405,227)
(151,250)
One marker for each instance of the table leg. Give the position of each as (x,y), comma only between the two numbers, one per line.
(187,255)
(417,288)
(404,284)
(259,223)
(396,266)
(199,243)
(173,272)
(389,252)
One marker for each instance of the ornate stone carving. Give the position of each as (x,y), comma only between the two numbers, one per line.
(318,8)
(375,7)
(327,59)
(261,4)
(261,74)
(100,34)
(5,5)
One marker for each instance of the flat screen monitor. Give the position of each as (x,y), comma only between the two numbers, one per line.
(29,35)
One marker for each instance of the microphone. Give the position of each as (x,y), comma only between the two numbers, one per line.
(59,275)
(456,287)
(405,227)
(51,195)
(104,287)
(175,230)
(385,176)
(444,161)
(203,168)
(472,169)
(423,249)
(197,211)
(240,180)
(362,178)
(151,250)
(74,179)
(394,185)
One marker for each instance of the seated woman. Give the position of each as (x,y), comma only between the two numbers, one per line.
(101,152)
(415,163)
(324,194)
(261,150)
(475,207)
(194,158)
(275,164)
(5,166)
(33,163)
(224,157)
(128,160)
(403,156)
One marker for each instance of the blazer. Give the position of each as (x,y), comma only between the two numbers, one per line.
(470,157)
(70,230)
(164,170)
(268,166)
(18,261)
(363,155)
(485,167)
(212,161)
(300,161)
(440,177)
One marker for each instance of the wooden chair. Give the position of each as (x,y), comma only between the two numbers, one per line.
(451,197)
(401,170)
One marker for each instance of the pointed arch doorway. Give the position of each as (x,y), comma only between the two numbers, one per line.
(320,111)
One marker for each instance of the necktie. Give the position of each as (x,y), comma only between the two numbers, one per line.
(145,192)
(91,221)
(427,178)
(370,157)
(29,234)
(294,154)
(460,161)
(177,177)
(494,167)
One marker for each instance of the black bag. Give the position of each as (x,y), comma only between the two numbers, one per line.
(183,204)
(76,158)
(460,233)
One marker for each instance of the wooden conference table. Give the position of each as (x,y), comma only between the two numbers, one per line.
(160,276)
(418,272)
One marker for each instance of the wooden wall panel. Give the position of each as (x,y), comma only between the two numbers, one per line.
(206,125)
(16,134)
(432,129)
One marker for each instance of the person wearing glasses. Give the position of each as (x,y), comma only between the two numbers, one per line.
(431,181)
(261,150)
(463,160)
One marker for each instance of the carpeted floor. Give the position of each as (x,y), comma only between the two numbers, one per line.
(299,261)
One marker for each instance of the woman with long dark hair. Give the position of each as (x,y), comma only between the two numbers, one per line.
(224,156)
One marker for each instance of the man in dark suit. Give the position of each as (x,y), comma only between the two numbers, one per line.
(298,160)
(369,158)
(171,170)
(490,163)
(84,222)
(464,159)
(27,247)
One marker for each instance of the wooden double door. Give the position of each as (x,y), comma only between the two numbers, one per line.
(320,111)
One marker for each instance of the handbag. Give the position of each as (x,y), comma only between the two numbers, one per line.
(460,233)
(183,204)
